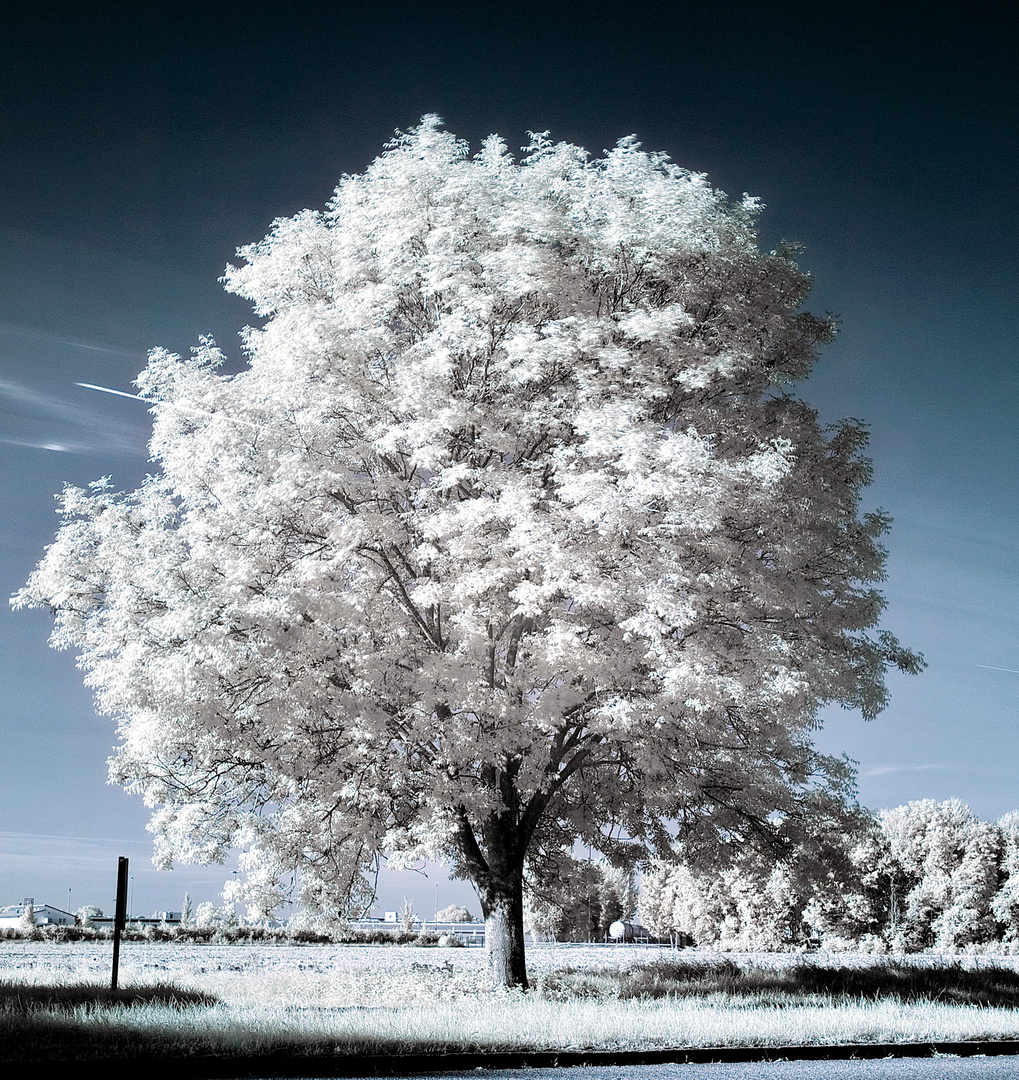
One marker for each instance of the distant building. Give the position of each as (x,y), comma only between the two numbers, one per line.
(159,918)
(45,914)
(48,915)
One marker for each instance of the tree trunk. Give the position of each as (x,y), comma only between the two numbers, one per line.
(494,860)
(502,903)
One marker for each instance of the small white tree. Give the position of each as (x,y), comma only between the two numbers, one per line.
(228,917)
(87,913)
(856,897)
(207,915)
(511,535)
(408,916)
(672,902)
(542,920)
(454,914)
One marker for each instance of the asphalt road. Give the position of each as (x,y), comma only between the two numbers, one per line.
(939,1068)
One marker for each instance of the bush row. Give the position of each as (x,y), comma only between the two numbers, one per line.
(219,935)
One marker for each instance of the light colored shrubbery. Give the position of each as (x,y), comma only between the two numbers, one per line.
(85,914)
(926,875)
(454,913)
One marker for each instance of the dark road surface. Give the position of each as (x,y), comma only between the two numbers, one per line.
(941,1068)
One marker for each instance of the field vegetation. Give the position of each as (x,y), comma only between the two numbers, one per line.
(188,1000)
(220,934)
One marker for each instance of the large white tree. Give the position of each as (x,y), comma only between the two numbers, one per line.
(511,533)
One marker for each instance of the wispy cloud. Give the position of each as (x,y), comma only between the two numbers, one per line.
(67,426)
(63,448)
(59,339)
(27,853)
(35,840)
(33,399)
(45,866)
(884,770)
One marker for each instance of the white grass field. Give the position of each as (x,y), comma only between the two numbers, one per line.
(387,997)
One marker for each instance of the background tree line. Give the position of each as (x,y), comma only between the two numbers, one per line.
(925,875)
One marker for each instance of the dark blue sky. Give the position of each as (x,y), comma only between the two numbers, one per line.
(142,144)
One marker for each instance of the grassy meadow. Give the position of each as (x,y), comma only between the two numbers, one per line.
(185,1000)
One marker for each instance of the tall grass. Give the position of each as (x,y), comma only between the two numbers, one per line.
(21,998)
(799,983)
(513,1024)
(243,1001)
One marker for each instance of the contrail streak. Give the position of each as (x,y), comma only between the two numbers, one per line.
(108,390)
(169,404)
(988,667)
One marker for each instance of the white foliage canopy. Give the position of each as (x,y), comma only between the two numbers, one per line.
(947,863)
(511,527)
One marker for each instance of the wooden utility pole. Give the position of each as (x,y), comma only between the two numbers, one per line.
(120,918)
